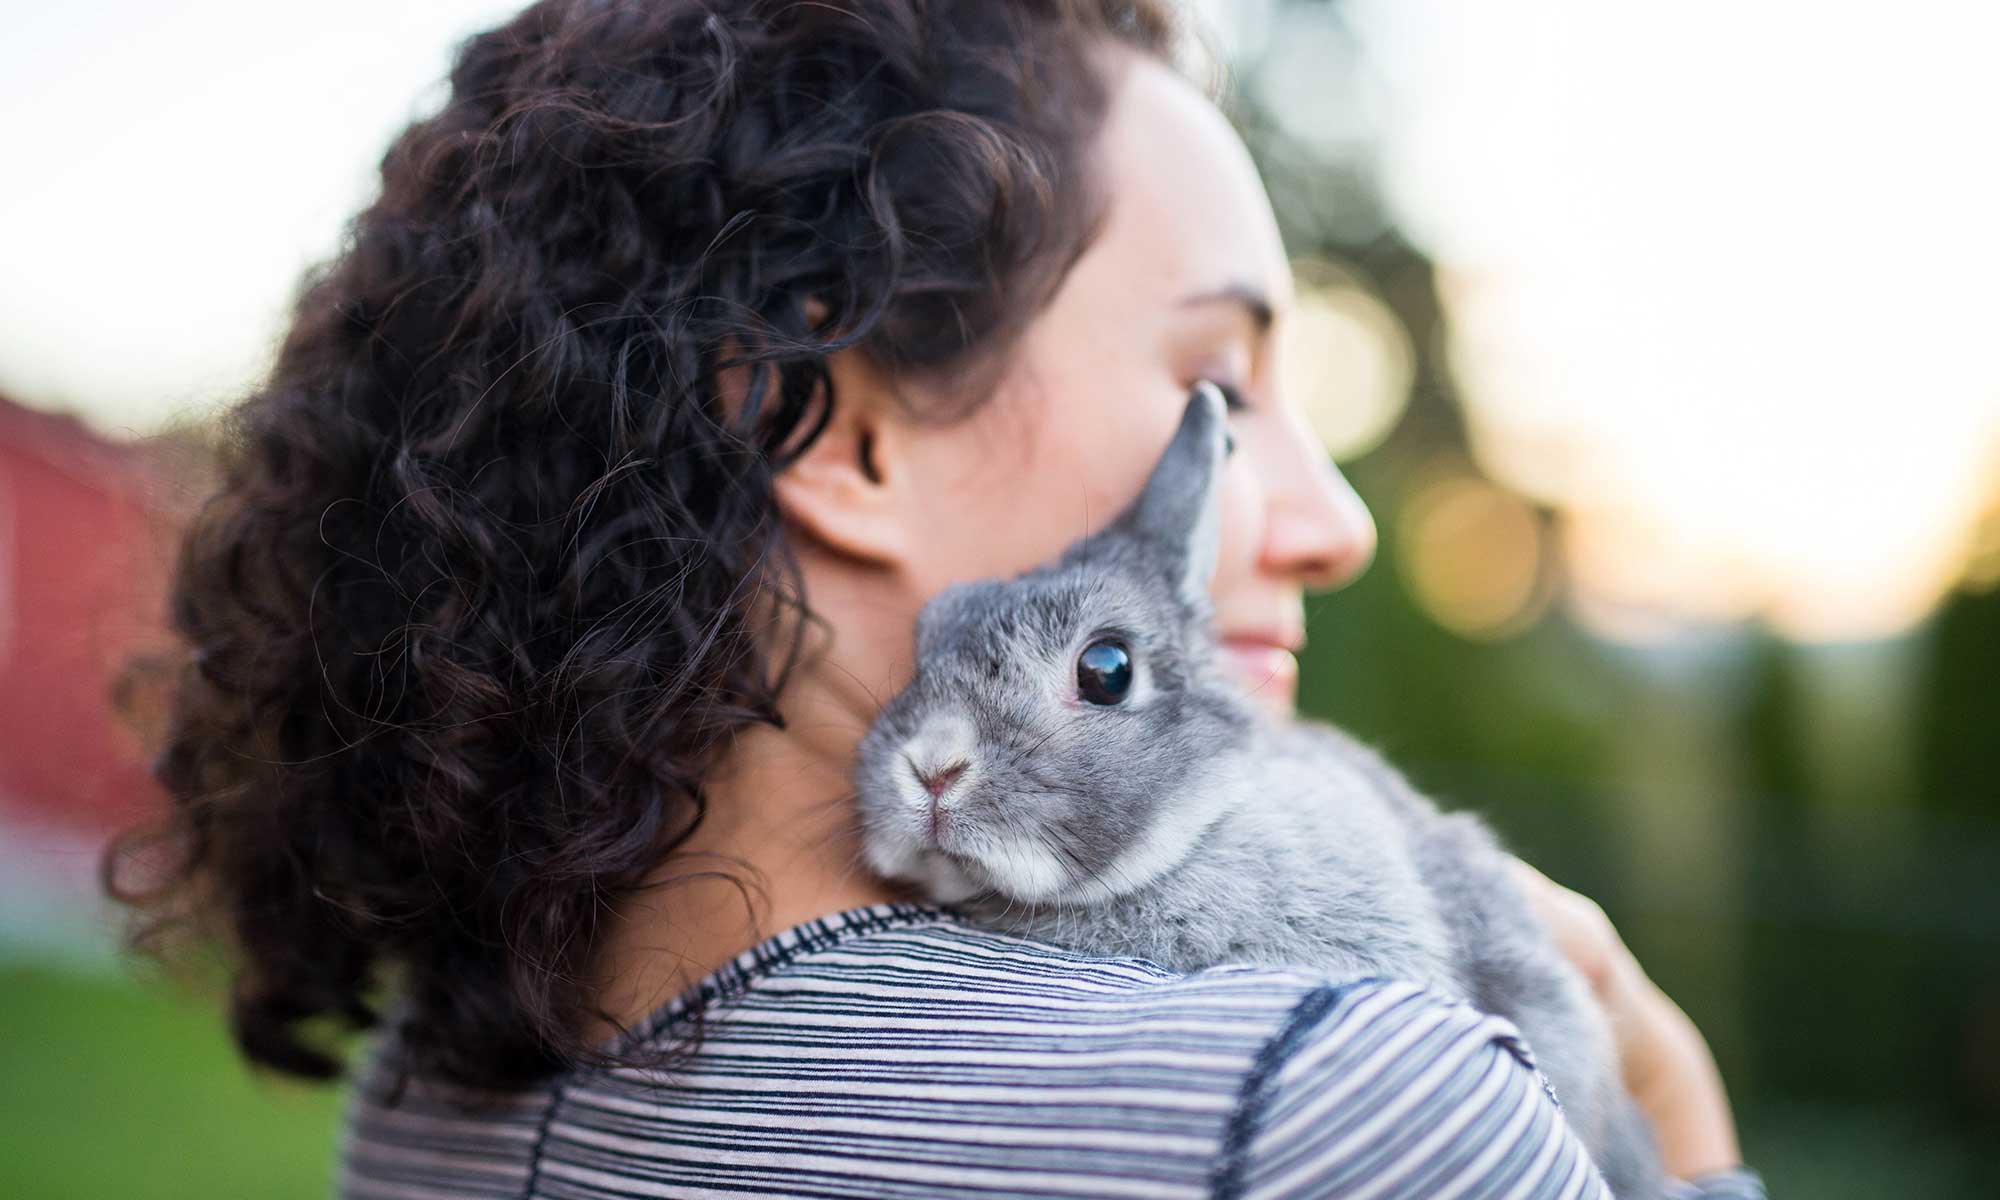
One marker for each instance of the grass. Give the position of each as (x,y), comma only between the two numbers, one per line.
(114,1088)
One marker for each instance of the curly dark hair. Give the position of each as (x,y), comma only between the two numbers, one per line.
(475,601)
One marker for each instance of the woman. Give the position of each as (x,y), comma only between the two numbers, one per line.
(579,529)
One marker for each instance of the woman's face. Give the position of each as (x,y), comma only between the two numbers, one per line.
(1188,280)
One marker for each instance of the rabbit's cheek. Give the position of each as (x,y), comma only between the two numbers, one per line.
(890,851)
(945,882)
(1026,870)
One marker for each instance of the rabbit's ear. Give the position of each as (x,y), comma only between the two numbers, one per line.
(1178,511)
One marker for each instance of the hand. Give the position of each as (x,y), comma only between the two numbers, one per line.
(1667,1066)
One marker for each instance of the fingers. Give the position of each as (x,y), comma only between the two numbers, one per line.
(1582,931)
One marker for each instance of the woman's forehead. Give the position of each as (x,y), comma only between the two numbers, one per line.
(1187,210)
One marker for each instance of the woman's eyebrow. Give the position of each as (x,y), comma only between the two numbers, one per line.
(1252,299)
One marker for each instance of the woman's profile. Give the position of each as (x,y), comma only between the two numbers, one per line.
(576,536)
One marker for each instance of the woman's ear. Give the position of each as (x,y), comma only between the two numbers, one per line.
(844,492)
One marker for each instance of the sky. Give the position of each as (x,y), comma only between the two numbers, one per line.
(1722,280)
(1721,277)
(169,170)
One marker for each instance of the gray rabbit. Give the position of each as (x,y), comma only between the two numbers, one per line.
(1070,764)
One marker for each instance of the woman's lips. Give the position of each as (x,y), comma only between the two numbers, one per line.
(1265,667)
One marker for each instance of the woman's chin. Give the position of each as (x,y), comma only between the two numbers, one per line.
(1267,674)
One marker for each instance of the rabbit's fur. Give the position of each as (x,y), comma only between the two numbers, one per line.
(1182,826)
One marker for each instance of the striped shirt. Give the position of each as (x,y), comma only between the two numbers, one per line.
(894,1051)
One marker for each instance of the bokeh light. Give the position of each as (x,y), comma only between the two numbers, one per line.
(1750,324)
(1472,554)
(1347,358)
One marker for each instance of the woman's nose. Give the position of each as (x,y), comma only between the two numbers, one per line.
(1316,529)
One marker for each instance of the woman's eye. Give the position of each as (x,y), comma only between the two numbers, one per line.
(1233,402)
(1232,398)
(1104,672)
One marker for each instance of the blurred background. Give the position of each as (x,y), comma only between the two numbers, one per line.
(1661,340)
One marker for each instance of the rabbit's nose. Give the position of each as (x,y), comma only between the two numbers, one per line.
(937,780)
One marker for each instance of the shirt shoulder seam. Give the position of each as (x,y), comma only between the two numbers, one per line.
(1255,1093)
(767,960)
(732,980)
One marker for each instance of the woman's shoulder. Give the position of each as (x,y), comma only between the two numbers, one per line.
(896,970)
(928,964)
(923,971)
(1317,1086)
(929,952)
(1244,1068)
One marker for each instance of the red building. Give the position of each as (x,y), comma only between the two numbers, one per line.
(85,547)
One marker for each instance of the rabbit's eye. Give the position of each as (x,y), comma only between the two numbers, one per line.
(1104,672)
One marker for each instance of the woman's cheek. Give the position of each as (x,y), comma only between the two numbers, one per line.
(1242,524)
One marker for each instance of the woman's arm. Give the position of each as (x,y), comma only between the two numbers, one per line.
(1384,1090)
